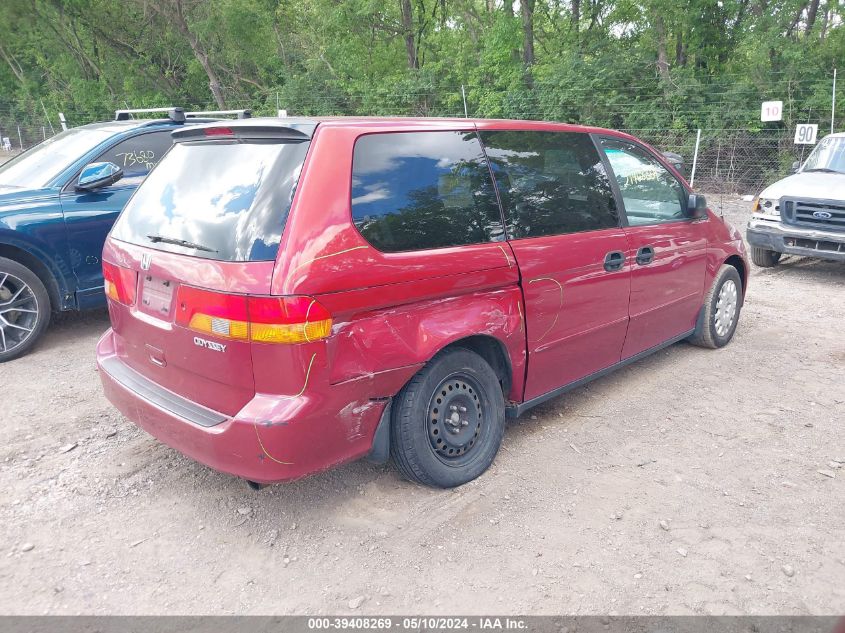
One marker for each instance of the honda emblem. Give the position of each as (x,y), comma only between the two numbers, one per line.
(146,260)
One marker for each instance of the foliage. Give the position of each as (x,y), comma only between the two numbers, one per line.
(649,64)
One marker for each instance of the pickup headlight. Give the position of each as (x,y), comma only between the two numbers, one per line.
(767,207)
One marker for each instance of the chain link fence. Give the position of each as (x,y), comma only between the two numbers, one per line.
(729,160)
(732,160)
(19,132)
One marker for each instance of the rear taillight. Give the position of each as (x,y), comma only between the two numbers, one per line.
(214,313)
(120,283)
(286,320)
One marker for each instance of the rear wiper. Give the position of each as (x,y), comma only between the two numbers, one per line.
(173,240)
(824,169)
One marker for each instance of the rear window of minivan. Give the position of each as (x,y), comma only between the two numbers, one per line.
(224,200)
(422,190)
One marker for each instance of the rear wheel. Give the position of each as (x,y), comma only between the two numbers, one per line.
(719,316)
(24,309)
(448,421)
(764,257)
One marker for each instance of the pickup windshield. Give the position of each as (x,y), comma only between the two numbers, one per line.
(829,156)
(224,200)
(35,168)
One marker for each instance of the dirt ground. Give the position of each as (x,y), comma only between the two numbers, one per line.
(688,483)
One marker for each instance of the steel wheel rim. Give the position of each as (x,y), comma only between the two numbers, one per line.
(456,420)
(18,312)
(726,305)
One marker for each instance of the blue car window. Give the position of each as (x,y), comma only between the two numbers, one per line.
(136,156)
(36,167)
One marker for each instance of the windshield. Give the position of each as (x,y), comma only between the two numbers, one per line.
(38,166)
(829,155)
(218,200)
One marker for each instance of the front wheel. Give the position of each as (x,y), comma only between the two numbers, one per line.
(720,313)
(448,421)
(24,309)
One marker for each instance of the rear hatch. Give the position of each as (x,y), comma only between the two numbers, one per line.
(196,241)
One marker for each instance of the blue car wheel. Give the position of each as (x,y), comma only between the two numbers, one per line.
(24,309)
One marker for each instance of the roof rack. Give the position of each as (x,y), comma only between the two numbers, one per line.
(173,113)
(241,114)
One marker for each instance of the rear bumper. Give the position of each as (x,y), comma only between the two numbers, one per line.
(271,439)
(776,236)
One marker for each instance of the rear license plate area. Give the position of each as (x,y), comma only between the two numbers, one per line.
(157,296)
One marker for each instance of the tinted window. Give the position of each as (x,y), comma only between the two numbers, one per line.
(224,200)
(650,193)
(417,190)
(550,182)
(136,156)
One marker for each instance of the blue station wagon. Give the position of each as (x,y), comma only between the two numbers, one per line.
(58,202)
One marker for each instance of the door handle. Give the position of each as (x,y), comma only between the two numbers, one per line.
(645,255)
(614,260)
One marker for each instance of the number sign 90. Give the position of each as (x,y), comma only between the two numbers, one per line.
(805,133)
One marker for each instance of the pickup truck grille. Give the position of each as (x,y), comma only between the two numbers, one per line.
(827,215)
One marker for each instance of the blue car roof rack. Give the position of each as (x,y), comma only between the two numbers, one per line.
(178,115)
(175,114)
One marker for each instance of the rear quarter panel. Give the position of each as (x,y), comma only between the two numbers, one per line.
(390,310)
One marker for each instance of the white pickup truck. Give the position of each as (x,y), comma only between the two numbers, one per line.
(803,214)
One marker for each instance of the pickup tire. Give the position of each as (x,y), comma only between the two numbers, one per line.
(448,421)
(24,309)
(719,315)
(764,258)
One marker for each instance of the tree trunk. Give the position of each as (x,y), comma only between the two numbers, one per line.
(527,10)
(408,31)
(595,11)
(797,19)
(174,12)
(17,71)
(662,57)
(825,21)
(576,16)
(508,8)
(202,56)
(812,12)
(680,50)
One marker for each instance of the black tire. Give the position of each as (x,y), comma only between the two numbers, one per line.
(21,328)
(711,330)
(440,450)
(763,257)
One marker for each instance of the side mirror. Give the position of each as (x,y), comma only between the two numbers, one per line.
(795,167)
(696,205)
(98,175)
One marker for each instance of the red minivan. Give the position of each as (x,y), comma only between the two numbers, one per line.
(287,295)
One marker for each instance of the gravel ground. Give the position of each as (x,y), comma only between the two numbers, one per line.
(692,482)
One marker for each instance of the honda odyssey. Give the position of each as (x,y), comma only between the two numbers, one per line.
(287,295)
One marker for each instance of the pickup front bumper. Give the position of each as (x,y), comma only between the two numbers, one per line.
(774,235)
